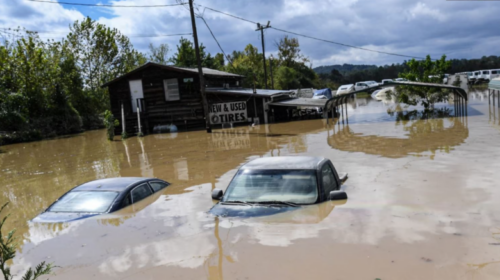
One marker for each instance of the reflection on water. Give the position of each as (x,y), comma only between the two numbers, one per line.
(423,132)
(421,187)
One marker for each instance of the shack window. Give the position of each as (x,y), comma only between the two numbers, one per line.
(171,90)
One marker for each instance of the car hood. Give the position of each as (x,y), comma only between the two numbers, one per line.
(61,217)
(247,211)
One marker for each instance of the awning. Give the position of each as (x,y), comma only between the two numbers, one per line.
(301,102)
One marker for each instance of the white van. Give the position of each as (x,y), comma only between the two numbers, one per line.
(485,75)
(476,75)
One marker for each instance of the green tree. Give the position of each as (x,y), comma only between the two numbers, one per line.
(101,54)
(8,252)
(426,71)
(186,56)
(158,54)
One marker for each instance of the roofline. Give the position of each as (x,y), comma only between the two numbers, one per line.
(167,67)
(238,92)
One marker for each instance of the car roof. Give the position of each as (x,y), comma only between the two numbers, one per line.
(287,162)
(111,184)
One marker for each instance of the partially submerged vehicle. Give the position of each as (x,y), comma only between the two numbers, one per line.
(100,197)
(272,185)
(344,89)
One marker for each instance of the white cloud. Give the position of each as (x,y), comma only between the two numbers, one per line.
(399,26)
(421,9)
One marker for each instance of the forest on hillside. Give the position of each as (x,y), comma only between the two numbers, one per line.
(348,73)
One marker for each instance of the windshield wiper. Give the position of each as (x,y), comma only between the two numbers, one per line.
(237,202)
(276,202)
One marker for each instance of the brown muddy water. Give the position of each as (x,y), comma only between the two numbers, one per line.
(423,201)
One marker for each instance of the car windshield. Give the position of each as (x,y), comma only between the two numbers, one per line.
(84,201)
(297,186)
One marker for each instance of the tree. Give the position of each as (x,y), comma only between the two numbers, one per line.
(158,54)
(426,71)
(186,56)
(8,252)
(289,52)
(101,54)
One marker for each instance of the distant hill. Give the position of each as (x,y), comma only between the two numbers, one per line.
(344,69)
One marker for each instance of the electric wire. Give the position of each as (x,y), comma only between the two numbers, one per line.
(108,5)
(312,37)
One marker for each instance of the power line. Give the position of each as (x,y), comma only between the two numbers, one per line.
(107,5)
(159,35)
(131,35)
(314,38)
(220,47)
(237,17)
(345,45)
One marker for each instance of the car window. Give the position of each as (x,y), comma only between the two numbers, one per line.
(84,201)
(157,185)
(127,201)
(329,183)
(140,192)
(297,186)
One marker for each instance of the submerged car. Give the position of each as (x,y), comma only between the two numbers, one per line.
(99,197)
(272,185)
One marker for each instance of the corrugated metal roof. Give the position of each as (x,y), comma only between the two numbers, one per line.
(301,102)
(494,84)
(247,91)
(206,71)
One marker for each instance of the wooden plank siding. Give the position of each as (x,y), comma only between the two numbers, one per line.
(186,113)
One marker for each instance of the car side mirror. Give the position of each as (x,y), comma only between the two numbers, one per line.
(343,178)
(217,194)
(338,195)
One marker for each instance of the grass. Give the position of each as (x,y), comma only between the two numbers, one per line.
(363,95)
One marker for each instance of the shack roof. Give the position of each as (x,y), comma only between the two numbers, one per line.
(207,72)
(293,102)
(247,91)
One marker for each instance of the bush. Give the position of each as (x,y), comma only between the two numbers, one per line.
(8,252)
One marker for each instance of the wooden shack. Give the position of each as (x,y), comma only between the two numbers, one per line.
(168,95)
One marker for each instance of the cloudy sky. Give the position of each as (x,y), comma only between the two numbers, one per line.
(459,29)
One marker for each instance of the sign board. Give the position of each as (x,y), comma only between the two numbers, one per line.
(232,112)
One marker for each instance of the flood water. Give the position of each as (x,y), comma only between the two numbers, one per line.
(423,201)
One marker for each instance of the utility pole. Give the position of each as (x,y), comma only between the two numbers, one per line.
(271,68)
(261,28)
(200,69)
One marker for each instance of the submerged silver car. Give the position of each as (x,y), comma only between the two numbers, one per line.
(277,184)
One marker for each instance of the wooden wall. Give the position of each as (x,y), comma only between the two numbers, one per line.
(186,113)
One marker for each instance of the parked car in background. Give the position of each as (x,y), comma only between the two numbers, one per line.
(494,74)
(99,197)
(345,89)
(365,85)
(386,81)
(477,75)
(273,185)
(400,80)
(446,78)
